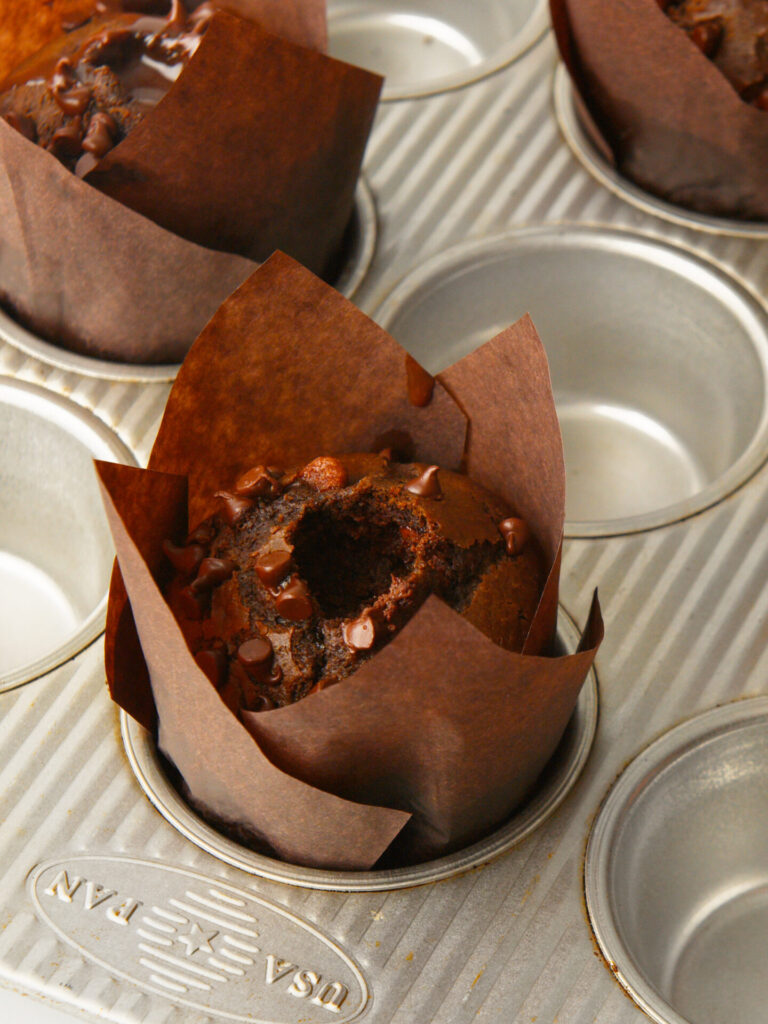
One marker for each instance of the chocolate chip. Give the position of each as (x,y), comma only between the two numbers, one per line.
(176,17)
(214,665)
(101,134)
(707,35)
(360,634)
(63,76)
(234,507)
(191,605)
(255,652)
(85,163)
(516,533)
(74,100)
(273,567)
(325,474)
(184,559)
(257,656)
(420,383)
(67,140)
(258,482)
(427,484)
(107,46)
(293,601)
(212,572)
(202,534)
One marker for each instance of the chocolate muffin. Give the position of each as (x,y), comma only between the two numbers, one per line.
(734,35)
(82,94)
(303,575)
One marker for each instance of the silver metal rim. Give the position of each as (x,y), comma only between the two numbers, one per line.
(88,424)
(607,823)
(560,776)
(752,313)
(531,32)
(354,270)
(608,176)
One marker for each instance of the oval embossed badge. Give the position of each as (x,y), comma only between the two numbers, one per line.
(198,941)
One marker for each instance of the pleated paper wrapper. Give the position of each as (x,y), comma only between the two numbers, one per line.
(256,146)
(670,119)
(433,741)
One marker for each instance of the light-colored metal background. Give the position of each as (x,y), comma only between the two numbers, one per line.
(685,607)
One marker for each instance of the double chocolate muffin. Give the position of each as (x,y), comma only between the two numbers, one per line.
(82,94)
(302,575)
(734,35)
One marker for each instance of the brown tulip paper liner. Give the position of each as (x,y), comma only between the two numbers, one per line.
(672,120)
(130,263)
(441,727)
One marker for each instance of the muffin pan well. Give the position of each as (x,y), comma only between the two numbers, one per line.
(685,606)
(360,245)
(427,46)
(659,361)
(677,870)
(558,778)
(56,551)
(603,171)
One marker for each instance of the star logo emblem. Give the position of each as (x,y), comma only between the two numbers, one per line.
(196,940)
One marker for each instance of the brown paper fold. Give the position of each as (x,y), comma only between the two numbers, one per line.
(673,122)
(441,724)
(130,264)
(222,767)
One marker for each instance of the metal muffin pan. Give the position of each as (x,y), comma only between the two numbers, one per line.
(677,870)
(556,782)
(509,940)
(428,46)
(56,550)
(360,245)
(603,171)
(638,325)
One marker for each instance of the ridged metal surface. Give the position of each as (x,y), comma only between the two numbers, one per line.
(686,609)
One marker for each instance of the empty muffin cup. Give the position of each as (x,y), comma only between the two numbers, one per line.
(561,773)
(630,324)
(429,46)
(677,870)
(358,251)
(603,170)
(56,550)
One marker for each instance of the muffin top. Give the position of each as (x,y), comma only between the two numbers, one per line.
(304,574)
(81,95)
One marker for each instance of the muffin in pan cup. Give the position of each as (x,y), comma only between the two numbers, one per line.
(666,114)
(434,739)
(256,145)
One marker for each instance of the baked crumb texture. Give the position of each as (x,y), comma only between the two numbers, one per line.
(302,575)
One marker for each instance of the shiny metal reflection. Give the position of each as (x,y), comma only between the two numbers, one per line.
(557,780)
(56,551)
(658,357)
(676,871)
(360,245)
(600,169)
(429,46)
